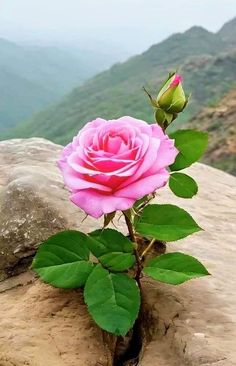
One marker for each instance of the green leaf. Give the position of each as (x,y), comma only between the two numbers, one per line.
(175,268)
(117,262)
(113,300)
(166,223)
(182,185)
(114,250)
(191,145)
(62,260)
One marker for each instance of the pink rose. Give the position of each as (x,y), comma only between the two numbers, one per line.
(111,164)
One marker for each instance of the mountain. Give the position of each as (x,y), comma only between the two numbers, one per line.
(20,98)
(220,122)
(32,77)
(228,32)
(207,62)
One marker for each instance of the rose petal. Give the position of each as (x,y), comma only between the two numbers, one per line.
(96,204)
(157,131)
(144,186)
(62,162)
(74,181)
(147,161)
(166,155)
(135,123)
(110,167)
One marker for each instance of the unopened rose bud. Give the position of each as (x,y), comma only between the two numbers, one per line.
(171,97)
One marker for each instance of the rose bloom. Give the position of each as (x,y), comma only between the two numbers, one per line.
(111,164)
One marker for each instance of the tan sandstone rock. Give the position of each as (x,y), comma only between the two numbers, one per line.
(44,326)
(190,325)
(33,201)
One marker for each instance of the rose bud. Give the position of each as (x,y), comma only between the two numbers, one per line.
(171,97)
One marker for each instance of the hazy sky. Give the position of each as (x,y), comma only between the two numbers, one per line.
(129,24)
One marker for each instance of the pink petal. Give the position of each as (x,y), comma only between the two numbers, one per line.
(130,122)
(96,204)
(113,144)
(147,161)
(64,154)
(144,186)
(76,163)
(109,167)
(157,131)
(75,181)
(96,123)
(165,156)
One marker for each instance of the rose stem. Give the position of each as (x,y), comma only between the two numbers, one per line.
(148,248)
(138,260)
(130,228)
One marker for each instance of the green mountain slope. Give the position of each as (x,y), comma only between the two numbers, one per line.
(49,66)
(20,98)
(33,77)
(208,67)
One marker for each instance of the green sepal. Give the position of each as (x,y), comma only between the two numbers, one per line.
(152,100)
(108,218)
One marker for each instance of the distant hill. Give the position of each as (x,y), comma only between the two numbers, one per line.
(33,77)
(207,62)
(228,32)
(220,122)
(20,97)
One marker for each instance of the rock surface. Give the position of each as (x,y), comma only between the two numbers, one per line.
(193,324)
(33,201)
(44,326)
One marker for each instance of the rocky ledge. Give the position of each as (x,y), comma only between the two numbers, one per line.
(190,325)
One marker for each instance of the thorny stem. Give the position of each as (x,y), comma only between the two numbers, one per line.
(138,259)
(148,248)
(130,228)
(139,268)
